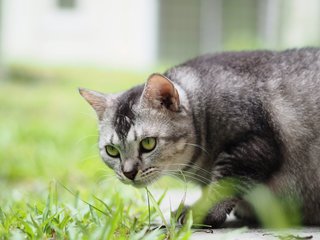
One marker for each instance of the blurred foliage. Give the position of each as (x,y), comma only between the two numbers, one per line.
(271,211)
(275,212)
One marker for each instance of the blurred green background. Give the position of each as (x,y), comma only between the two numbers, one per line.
(49,48)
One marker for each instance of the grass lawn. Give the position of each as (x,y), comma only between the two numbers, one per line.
(53,183)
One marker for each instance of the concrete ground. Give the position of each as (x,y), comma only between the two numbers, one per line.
(233,230)
(238,234)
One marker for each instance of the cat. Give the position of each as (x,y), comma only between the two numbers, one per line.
(253,116)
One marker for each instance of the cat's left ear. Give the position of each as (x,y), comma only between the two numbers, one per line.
(160,92)
(96,99)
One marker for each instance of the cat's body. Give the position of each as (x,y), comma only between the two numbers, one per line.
(254,116)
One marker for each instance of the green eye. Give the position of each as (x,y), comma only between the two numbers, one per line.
(148,144)
(112,151)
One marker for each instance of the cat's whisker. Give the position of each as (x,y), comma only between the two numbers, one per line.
(110,181)
(197,179)
(177,177)
(198,146)
(90,157)
(167,173)
(156,170)
(105,175)
(103,179)
(84,138)
(190,176)
(186,173)
(192,166)
(96,145)
(181,174)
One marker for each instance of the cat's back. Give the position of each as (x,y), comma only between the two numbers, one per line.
(248,68)
(251,61)
(291,77)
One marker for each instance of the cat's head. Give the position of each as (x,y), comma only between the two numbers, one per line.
(145,132)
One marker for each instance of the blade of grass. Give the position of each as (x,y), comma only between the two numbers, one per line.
(89,204)
(156,206)
(104,204)
(149,211)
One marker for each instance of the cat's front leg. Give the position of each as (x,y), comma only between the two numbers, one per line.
(236,170)
(212,208)
(217,215)
(212,218)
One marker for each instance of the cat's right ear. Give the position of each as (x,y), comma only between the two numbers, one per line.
(96,99)
(160,92)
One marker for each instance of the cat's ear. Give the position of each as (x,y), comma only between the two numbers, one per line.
(160,92)
(96,99)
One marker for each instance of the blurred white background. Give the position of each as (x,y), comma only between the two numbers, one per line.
(142,33)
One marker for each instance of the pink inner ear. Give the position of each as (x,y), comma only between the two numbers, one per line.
(161,91)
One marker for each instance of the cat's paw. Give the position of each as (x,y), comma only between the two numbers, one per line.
(214,219)
(244,211)
(218,214)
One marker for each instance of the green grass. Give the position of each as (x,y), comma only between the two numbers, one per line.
(53,183)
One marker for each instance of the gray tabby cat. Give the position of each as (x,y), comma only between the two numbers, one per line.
(253,116)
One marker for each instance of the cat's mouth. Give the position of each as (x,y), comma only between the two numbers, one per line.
(143,178)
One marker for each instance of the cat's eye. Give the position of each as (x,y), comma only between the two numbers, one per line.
(112,151)
(148,144)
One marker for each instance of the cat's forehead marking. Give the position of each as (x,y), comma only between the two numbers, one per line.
(124,117)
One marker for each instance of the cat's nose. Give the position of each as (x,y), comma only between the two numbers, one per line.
(130,169)
(131,174)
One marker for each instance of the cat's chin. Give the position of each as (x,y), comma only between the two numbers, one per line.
(136,184)
(139,183)
(142,184)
